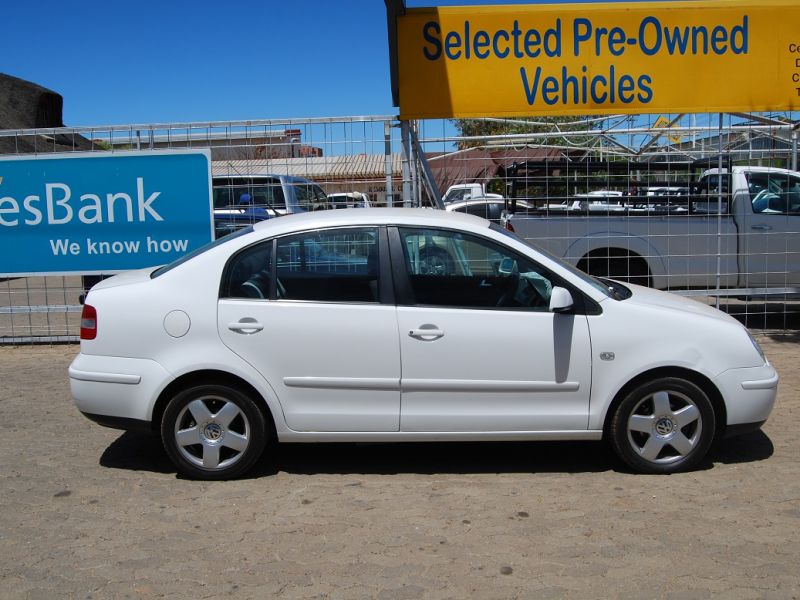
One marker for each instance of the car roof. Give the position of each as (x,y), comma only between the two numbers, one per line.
(762,170)
(285,178)
(369,216)
(750,169)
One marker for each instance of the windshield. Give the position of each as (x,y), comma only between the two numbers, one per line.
(456,194)
(592,281)
(161,270)
(309,196)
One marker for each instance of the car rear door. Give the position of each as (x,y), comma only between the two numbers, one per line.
(312,313)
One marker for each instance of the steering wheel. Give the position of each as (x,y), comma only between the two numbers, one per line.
(435,261)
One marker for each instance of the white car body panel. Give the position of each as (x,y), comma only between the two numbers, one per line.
(679,333)
(494,370)
(349,383)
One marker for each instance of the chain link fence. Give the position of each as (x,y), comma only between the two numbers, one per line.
(701,205)
(706,206)
(352,160)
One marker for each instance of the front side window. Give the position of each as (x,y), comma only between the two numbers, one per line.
(334,265)
(708,192)
(456,195)
(774,193)
(576,272)
(448,268)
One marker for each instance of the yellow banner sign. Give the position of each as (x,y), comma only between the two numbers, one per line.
(726,55)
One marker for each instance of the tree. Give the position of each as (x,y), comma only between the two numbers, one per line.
(526,125)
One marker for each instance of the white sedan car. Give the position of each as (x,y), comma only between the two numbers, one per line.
(407,325)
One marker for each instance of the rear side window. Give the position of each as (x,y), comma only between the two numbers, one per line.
(186,257)
(249,273)
(336,265)
(309,196)
(707,194)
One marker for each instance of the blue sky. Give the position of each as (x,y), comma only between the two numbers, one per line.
(179,61)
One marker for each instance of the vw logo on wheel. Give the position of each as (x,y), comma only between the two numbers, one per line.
(212,432)
(664,426)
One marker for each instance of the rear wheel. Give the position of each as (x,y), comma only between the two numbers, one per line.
(213,432)
(663,426)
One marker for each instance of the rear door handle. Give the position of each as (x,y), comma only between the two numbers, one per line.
(247,326)
(427,334)
(761,227)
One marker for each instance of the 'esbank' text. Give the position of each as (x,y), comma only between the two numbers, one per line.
(60,206)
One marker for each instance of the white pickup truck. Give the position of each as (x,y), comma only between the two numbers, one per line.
(752,238)
(468,191)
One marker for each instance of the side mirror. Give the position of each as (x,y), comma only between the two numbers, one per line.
(560,300)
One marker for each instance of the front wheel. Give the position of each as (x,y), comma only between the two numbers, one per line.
(213,432)
(663,426)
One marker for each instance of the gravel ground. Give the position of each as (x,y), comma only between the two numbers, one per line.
(96,513)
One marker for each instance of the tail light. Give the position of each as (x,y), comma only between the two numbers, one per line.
(509,226)
(88,322)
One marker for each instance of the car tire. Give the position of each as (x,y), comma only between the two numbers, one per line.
(663,426)
(213,432)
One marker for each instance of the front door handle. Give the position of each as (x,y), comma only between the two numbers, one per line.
(247,326)
(426,333)
(761,227)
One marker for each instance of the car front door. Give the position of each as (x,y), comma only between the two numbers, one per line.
(772,229)
(480,350)
(312,314)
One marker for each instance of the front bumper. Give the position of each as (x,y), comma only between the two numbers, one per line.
(749,394)
(117,387)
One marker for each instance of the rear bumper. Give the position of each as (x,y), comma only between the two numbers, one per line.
(109,388)
(749,395)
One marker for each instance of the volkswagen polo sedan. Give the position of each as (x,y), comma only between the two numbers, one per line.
(387,325)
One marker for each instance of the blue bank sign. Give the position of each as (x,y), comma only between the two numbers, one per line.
(102,213)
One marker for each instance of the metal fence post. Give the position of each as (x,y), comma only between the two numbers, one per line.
(416,194)
(719,208)
(387,164)
(405,137)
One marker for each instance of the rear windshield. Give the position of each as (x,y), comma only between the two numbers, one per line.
(161,270)
(236,192)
